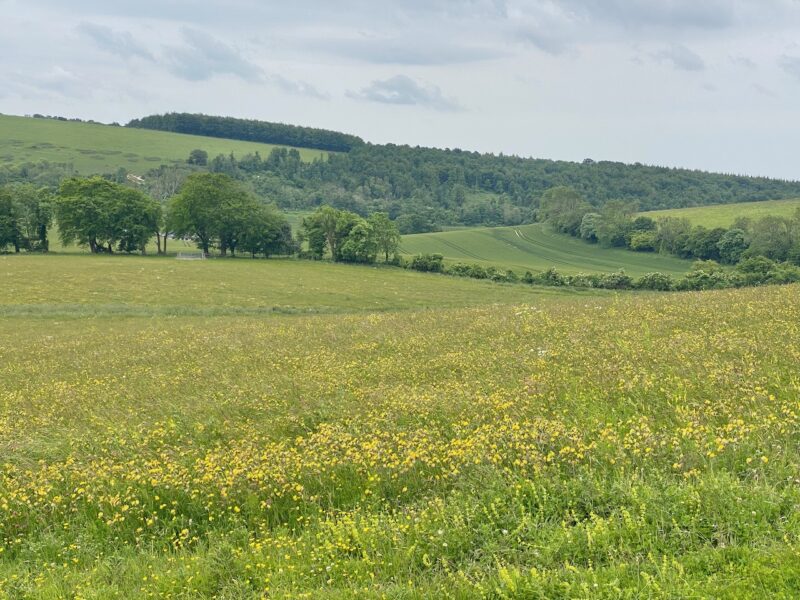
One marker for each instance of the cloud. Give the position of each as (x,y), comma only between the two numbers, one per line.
(743,61)
(764,91)
(204,56)
(681,58)
(404,90)
(120,43)
(791,65)
(301,88)
(400,51)
(669,14)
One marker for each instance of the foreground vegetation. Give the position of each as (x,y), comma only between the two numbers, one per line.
(558,446)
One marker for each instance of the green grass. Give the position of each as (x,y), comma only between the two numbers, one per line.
(723,215)
(536,248)
(103,149)
(118,285)
(165,434)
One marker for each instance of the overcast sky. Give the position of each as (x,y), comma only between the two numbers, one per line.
(710,84)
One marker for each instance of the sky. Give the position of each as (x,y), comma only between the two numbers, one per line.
(706,84)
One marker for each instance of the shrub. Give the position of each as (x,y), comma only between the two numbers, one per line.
(550,277)
(615,281)
(655,281)
(431,263)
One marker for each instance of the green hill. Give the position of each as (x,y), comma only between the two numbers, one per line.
(723,215)
(536,248)
(94,148)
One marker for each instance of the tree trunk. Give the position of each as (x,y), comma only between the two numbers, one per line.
(110,249)
(158,242)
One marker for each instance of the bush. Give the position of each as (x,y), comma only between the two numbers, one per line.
(643,241)
(550,277)
(704,280)
(615,281)
(583,280)
(430,263)
(655,281)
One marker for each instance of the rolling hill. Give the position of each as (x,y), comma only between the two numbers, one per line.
(536,248)
(723,215)
(94,148)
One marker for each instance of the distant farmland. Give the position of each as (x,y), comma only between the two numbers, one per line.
(536,248)
(94,148)
(723,215)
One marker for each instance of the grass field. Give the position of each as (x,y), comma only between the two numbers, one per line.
(536,248)
(103,149)
(168,431)
(723,215)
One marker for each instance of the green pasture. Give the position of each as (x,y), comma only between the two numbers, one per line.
(723,215)
(536,248)
(94,148)
(246,429)
(118,285)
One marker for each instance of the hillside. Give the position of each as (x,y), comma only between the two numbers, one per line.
(294,429)
(536,248)
(724,215)
(469,188)
(94,148)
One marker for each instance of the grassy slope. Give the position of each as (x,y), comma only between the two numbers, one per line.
(535,248)
(722,215)
(87,285)
(103,149)
(609,446)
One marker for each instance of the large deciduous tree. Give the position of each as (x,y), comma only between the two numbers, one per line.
(101,214)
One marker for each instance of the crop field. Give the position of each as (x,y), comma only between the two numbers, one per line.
(103,149)
(536,248)
(283,429)
(723,215)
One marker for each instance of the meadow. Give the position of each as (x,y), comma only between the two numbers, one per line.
(93,148)
(536,248)
(723,215)
(287,429)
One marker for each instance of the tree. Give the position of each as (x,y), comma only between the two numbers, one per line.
(771,236)
(588,228)
(360,245)
(732,245)
(9,229)
(34,207)
(387,236)
(331,225)
(162,184)
(267,232)
(195,210)
(615,223)
(198,157)
(563,208)
(101,214)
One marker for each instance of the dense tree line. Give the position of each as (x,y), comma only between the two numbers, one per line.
(249,130)
(424,188)
(615,224)
(105,216)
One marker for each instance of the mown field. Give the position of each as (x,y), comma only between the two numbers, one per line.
(168,431)
(723,215)
(102,149)
(536,248)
